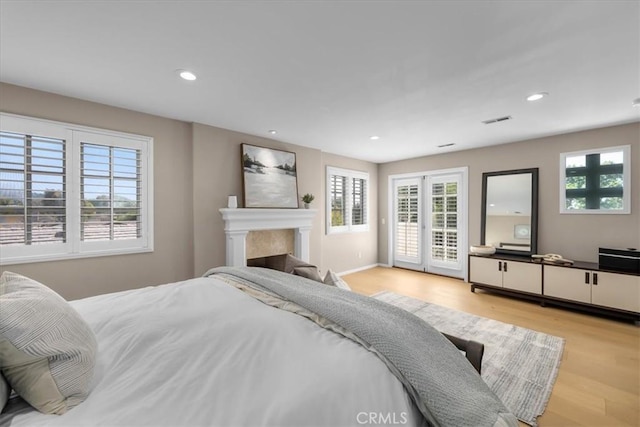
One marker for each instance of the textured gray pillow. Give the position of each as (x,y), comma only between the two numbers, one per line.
(308,271)
(292,262)
(5,390)
(47,351)
(332,279)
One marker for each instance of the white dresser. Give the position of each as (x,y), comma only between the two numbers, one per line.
(581,285)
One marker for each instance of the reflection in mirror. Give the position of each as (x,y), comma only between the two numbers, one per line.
(509,211)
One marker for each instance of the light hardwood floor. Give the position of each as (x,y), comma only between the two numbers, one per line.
(599,379)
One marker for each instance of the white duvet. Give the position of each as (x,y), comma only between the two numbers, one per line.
(203,353)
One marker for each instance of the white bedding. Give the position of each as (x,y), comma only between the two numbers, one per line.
(203,353)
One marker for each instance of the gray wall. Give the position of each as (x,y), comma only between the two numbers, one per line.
(217,174)
(574,236)
(196,167)
(172,258)
(346,251)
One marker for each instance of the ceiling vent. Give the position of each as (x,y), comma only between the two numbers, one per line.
(499,119)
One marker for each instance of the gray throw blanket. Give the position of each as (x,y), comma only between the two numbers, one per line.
(443,384)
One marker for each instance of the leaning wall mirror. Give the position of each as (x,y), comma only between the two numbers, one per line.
(510,211)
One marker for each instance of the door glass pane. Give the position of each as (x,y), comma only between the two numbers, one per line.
(437,189)
(407,226)
(437,221)
(444,222)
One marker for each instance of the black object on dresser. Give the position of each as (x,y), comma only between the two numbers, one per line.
(624,260)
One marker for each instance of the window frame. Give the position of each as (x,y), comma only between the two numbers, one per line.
(73,247)
(348,227)
(626,181)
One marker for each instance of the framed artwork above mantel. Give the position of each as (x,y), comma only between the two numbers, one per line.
(269,178)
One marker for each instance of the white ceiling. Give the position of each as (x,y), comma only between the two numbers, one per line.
(329,74)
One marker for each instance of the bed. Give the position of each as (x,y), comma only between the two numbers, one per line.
(256,347)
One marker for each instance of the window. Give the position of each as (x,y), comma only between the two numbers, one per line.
(596,181)
(32,193)
(68,191)
(110,193)
(347,200)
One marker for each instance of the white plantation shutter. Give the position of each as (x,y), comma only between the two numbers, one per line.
(32,189)
(110,193)
(338,188)
(445,221)
(69,191)
(347,200)
(428,232)
(407,221)
(359,201)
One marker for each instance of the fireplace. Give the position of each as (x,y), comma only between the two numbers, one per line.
(238,223)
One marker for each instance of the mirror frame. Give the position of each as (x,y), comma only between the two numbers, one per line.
(534,210)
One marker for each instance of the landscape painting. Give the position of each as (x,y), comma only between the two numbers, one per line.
(270,178)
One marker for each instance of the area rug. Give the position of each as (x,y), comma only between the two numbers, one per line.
(519,365)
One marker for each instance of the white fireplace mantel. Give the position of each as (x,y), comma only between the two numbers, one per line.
(238,222)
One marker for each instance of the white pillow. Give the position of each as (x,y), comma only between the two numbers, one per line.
(332,279)
(47,351)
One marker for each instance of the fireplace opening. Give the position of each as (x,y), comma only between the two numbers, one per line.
(262,243)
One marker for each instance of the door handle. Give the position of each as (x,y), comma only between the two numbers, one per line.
(505,267)
(595,279)
(499,265)
(587,278)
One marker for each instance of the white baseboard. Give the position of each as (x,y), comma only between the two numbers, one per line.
(355,270)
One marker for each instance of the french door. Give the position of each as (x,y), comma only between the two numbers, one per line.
(407,228)
(429,222)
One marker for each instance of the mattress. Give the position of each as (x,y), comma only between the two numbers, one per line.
(203,353)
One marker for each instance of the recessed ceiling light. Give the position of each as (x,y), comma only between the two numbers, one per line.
(187,75)
(498,120)
(537,96)
(374,137)
(273,132)
(636,102)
